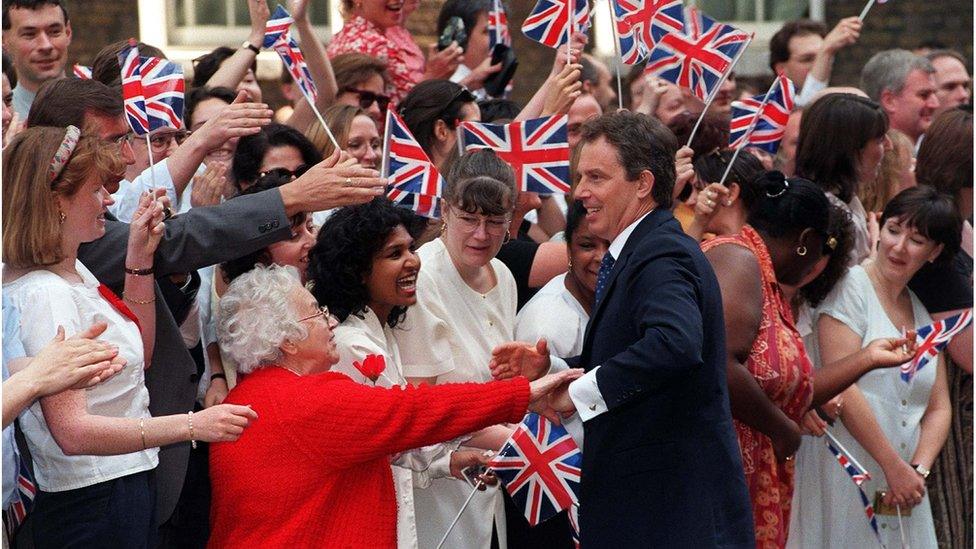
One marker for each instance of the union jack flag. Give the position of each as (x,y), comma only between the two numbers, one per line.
(22,499)
(163,88)
(81,71)
(642,23)
(869,513)
(699,57)
(294,61)
(857,474)
(933,339)
(549,21)
(132,97)
(278,25)
(414,181)
(537,150)
(765,114)
(498,26)
(574,524)
(540,467)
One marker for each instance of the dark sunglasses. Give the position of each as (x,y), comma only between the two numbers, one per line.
(367,98)
(284,172)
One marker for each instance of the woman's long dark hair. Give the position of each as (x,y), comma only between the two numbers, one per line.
(343,255)
(430,101)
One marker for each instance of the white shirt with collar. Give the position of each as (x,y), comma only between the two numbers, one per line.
(585,391)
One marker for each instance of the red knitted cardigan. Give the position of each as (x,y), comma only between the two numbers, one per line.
(314,469)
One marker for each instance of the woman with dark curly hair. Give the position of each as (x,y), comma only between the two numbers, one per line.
(364,268)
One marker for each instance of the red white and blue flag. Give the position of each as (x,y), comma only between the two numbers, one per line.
(574,524)
(773,111)
(152,91)
(858,476)
(933,339)
(548,24)
(81,71)
(278,25)
(540,467)
(414,181)
(642,23)
(291,56)
(699,57)
(22,498)
(498,26)
(537,150)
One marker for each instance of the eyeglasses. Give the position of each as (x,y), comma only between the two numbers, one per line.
(123,139)
(323,311)
(285,172)
(367,98)
(161,141)
(495,226)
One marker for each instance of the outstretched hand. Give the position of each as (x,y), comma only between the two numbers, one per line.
(542,391)
(888,352)
(517,358)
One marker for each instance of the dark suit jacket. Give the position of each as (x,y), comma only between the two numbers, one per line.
(195,239)
(661,468)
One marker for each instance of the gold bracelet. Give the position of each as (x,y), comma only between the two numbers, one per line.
(189,420)
(136,301)
(142,431)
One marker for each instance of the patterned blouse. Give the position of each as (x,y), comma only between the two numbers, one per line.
(779,362)
(360,36)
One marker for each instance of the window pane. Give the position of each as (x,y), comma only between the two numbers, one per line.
(745,10)
(180,15)
(210,12)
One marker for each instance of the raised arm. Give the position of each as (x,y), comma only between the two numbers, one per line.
(235,67)
(318,64)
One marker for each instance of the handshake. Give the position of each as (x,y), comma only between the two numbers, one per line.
(549,393)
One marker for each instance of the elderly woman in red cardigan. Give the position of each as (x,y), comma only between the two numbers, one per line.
(315,470)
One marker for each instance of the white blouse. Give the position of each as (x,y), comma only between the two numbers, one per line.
(45,301)
(555,315)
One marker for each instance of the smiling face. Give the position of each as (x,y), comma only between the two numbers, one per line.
(392,280)
(902,250)
(85,210)
(586,251)
(319,347)
(294,251)
(611,201)
(382,13)
(363,142)
(37,42)
(911,110)
(373,84)
(953,81)
(202,113)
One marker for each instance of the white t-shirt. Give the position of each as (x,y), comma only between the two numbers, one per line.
(554,314)
(45,301)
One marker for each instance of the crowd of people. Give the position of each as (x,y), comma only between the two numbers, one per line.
(227,335)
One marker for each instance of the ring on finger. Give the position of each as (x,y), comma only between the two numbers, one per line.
(348,181)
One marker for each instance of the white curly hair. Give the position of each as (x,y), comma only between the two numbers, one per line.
(257,315)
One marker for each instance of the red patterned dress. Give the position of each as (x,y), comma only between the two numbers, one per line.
(780,364)
(360,36)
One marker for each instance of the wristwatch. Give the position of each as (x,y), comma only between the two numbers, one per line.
(921,470)
(247,44)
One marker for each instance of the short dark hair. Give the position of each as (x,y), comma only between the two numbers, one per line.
(251,149)
(236,267)
(945,158)
(352,69)
(467,10)
(642,143)
(344,250)
(29,5)
(712,134)
(498,110)
(197,95)
(8,70)
(66,101)
(105,66)
(574,217)
(480,162)
(841,229)
(833,132)
(931,213)
(430,101)
(207,65)
(779,44)
(786,207)
(744,172)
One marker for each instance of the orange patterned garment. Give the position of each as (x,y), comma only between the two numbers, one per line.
(780,364)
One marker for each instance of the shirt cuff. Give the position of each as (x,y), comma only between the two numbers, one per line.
(556,365)
(585,393)
(811,87)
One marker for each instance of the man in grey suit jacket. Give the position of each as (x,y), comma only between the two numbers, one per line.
(195,239)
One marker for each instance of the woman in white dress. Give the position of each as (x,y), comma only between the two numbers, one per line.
(466,303)
(560,311)
(364,269)
(894,428)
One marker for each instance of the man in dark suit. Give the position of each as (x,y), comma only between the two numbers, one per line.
(661,464)
(192,240)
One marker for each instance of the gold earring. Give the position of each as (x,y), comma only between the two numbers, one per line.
(801,251)
(61,217)
(571,263)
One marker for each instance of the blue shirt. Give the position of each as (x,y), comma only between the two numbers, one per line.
(12,348)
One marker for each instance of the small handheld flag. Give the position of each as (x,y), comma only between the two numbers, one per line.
(278,25)
(498,26)
(133,101)
(537,150)
(640,24)
(549,24)
(414,181)
(540,467)
(760,121)
(933,339)
(81,71)
(858,476)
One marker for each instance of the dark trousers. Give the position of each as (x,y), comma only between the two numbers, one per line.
(115,513)
(189,525)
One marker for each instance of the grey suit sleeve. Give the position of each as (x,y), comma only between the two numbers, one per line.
(195,239)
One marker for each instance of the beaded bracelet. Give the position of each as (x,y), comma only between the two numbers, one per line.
(189,420)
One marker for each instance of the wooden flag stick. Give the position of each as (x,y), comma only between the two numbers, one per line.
(711,96)
(749,130)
